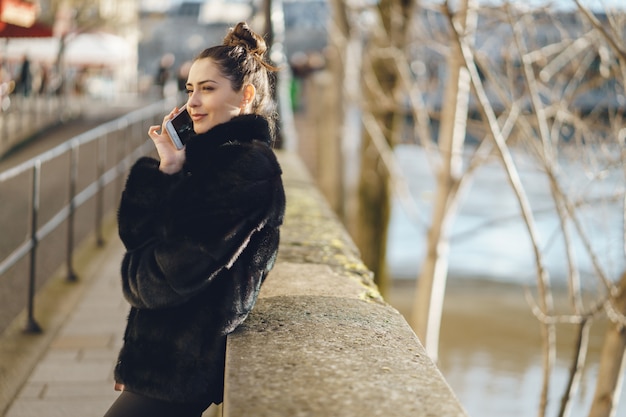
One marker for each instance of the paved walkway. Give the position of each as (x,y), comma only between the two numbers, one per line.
(72,374)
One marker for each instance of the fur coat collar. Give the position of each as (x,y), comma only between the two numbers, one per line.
(240,129)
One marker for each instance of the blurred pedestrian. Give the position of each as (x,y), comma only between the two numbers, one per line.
(24,82)
(163,72)
(80,81)
(43,79)
(181,76)
(201,230)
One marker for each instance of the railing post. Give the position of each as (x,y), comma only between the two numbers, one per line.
(5,123)
(120,157)
(31,325)
(71,275)
(137,132)
(34,106)
(102,156)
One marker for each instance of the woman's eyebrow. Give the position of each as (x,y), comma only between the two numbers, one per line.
(204,82)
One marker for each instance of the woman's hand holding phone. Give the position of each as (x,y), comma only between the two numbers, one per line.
(172,159)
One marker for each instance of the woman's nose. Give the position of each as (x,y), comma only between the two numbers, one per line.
(193,100)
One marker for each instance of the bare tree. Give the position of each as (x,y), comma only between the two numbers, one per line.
(551,107)
(432,278)
(544,86)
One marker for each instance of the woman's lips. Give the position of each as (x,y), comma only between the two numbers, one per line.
(197,117)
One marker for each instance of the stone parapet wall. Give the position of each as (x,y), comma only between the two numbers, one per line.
(321,341)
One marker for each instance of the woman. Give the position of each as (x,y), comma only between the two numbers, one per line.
(201,229)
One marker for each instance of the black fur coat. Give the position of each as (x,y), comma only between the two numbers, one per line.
(199,244)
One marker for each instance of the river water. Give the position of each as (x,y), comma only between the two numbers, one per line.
(490,347)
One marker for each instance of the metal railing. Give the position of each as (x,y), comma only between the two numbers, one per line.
(129,133)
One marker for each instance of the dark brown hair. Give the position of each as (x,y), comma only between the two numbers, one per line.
(241,59)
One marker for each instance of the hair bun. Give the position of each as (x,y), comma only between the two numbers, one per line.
(242,35)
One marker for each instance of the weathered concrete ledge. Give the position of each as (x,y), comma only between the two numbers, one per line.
(321,341)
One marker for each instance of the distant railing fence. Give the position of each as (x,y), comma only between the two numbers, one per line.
(131,143)
(20,116)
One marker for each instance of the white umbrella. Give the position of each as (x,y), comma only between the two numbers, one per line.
(98,49)
(40,49)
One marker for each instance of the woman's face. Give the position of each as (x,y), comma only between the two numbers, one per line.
(211,98)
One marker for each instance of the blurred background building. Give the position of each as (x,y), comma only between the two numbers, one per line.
(75,46)
(108,49)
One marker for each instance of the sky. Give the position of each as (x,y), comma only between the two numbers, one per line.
(570,4)
(563,4)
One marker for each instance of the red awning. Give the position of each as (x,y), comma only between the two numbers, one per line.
(37,30)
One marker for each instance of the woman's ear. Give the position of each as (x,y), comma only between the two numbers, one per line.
(248,96)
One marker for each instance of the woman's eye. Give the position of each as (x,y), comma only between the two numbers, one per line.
(188,91)
(209,88)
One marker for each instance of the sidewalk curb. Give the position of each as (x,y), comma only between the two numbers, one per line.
(20,351)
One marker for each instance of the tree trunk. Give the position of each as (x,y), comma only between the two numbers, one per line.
(611,370)
(374,213)
(330,109)
(374,188)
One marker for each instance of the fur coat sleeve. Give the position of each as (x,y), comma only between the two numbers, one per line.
(182,230)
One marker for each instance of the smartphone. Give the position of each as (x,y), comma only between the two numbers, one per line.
(180,128)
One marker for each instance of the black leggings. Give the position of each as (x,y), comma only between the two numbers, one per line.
(129,404)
